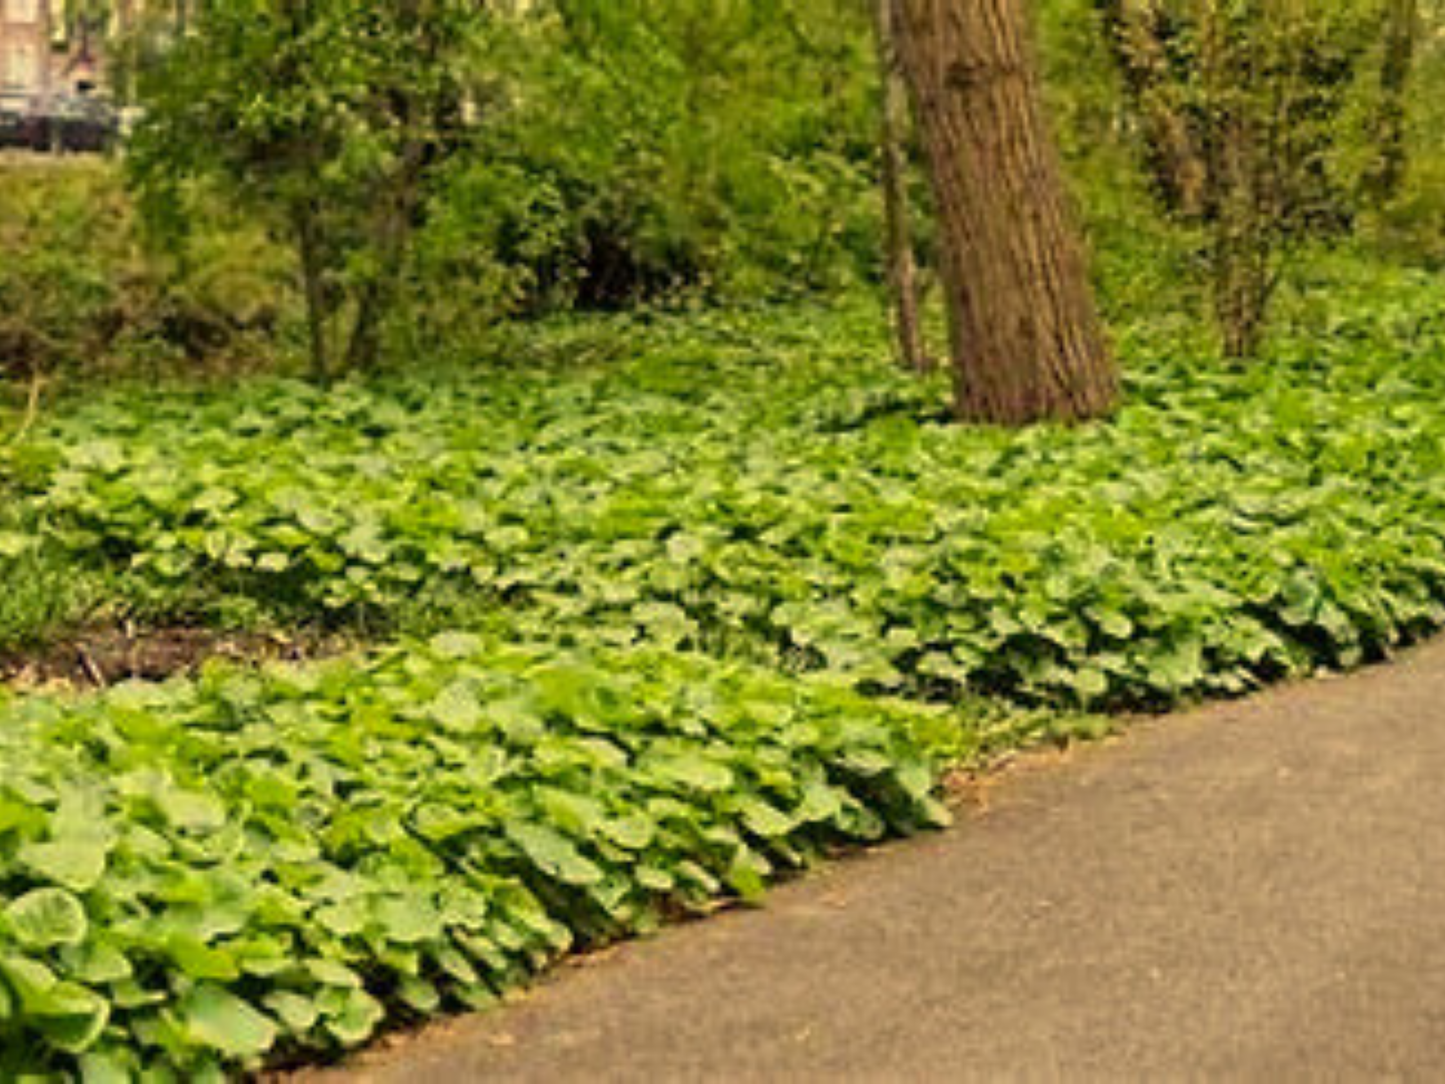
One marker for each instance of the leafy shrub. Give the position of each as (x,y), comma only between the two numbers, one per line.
(69,287)
(83,291)
(1412,225)
(324,125)
(204,875)
(725,150)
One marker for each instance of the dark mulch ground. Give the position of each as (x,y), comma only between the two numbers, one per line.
(99,657)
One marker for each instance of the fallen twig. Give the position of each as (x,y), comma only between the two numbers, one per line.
(91,669)
(32,407)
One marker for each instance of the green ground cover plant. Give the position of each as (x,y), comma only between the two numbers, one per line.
(678,601)
(761,487)
(756,593)
(201,876)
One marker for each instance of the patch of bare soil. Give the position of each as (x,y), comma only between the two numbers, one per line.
(101,657)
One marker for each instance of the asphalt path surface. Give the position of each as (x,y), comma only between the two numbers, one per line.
(1252,891)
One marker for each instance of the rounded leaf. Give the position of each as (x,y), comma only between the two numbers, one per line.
(47,918)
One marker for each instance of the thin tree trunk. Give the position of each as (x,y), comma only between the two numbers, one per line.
(1402,22)
(902,266)
(1026,338)
(1242,246)
(391,233)
(308,243)
(1136,30)
(371,305)
(400,202)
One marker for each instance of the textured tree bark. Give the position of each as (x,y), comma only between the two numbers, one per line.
(902,266)
(1026,338)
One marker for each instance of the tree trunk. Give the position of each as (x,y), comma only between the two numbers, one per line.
(1242,168)
(902,267)
(1027,343)
(390,236)
(1402,19)
(313,284)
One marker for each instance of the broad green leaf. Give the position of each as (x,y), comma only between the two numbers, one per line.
(14,545)
(409,919)
(298,1013)
(553,853)
(80,1018)
(456,707)
(46,918)
(690,769)
(191,810)
(76,863)
(357,1016)
(215,1018)
(107,1068)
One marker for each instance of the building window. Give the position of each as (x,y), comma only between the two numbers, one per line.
(21,11)
(19,70)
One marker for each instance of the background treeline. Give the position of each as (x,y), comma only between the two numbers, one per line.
(586,154)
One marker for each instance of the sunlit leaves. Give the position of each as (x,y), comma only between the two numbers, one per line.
(208,873)
(791,503)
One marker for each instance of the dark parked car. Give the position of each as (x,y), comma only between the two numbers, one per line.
(66,124)
(12,127)
(77,124)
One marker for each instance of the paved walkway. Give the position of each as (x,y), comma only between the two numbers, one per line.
(1252,891)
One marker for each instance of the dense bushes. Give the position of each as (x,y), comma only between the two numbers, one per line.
(726,150)
(82,289)
(263,865)
(70,287)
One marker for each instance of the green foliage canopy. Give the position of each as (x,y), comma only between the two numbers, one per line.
(325,119)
